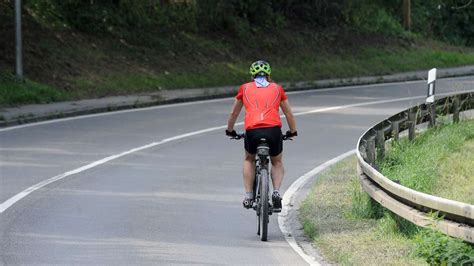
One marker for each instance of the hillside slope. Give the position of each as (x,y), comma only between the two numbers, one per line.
(63,62)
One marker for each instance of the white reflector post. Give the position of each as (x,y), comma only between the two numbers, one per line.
(431,85)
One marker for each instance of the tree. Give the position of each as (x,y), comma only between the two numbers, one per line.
(407,14)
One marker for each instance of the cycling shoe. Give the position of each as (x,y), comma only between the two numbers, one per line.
(248,203)
(276,199)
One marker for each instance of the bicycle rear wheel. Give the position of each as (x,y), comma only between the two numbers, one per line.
(263,222)
(256,196)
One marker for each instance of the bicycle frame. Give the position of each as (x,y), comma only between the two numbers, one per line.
(261,189)
(261,186)
(261,162)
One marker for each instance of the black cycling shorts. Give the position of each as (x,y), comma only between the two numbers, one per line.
(273,136)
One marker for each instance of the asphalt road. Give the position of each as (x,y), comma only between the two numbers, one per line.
(178,202)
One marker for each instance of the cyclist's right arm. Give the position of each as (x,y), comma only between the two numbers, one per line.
(286,108)
(234,114)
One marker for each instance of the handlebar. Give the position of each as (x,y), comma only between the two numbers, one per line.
(239,136)
(242,135)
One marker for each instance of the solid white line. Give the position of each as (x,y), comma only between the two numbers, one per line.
(203,102)
(351,87)
(8,203)
(112,113)
(288,204)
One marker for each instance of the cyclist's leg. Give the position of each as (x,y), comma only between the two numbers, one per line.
(277,171)
(277,177)
(250,146)
(276,154)
(249,171)
(249,176)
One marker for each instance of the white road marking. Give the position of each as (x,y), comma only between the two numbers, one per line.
(112,113)
(203,102)
(8,203)
(333,108)
(291,241)
(288,202)
(351,87)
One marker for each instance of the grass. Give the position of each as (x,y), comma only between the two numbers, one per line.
(100,83)
(350,228)
(347,237)
(27,92)
(371,61)
(458,168)
(439,156)
(65,64)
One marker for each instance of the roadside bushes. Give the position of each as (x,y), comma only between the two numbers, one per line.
(439,249)
(372,16)
(236,17)
(447,20)
(107,16)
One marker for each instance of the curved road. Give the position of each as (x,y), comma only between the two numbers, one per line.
(177,201)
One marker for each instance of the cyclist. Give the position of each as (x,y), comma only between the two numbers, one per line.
(262,99)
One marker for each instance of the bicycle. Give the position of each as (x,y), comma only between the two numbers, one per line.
(261,187)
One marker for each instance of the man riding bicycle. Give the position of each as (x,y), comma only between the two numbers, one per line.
(262,99)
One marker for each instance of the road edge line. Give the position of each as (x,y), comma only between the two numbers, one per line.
(290,206)
(80,114)
(11,201)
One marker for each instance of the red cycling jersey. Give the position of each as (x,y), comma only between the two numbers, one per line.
(261,104)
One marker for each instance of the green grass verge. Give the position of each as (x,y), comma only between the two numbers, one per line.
(351,237)
(369,61)
(79,58)
(14,92)
(350,228)
(439,156)
(102,69)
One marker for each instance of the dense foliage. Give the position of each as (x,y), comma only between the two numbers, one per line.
(448,20)
(97,48)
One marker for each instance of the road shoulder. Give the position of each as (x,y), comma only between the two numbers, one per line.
(10,116)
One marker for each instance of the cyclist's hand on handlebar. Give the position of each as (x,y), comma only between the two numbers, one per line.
(290,134)
(232,133)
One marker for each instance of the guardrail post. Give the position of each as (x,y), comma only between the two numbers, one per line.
(411,123)
(432,110)
(370,150)
(396,130)
(456,106)
(380,143)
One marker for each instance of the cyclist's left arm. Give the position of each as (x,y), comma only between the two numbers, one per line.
(286,108)
(234,114)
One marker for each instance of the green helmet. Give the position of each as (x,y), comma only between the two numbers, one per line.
(260,66)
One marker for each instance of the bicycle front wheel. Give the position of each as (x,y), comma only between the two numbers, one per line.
(264,204)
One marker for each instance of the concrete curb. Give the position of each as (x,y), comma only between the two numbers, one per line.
(40,112)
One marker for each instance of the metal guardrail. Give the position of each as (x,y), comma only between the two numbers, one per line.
(413,205)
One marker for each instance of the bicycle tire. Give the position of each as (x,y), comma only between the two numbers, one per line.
(264,204)
(258,225)
(256,197)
